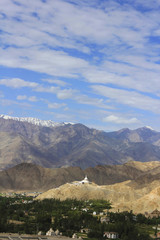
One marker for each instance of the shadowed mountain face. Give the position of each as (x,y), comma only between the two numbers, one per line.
(30,177)
(73,145)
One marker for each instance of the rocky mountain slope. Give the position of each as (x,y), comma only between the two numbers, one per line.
(54,145)
(124,196)
(30,177)
(131,186)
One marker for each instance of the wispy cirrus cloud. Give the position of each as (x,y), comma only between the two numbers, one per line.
(8,102)
(55,81)
(75,95)
(130,98)
(61,93)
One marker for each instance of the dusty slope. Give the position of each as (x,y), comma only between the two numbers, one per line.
(30,177)
(123,196)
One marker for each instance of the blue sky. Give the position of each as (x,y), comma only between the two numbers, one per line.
(94,62)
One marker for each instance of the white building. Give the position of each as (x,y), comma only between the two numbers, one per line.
(84,181)
(50,232)
(74,235)
(111,235)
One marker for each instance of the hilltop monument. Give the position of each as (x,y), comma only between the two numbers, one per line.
(85,180)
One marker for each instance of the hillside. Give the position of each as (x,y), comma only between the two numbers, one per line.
(53,145)
(30,177)
(123,196)
(130,186)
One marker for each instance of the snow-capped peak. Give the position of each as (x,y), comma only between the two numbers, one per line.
(149,128)
(36,121)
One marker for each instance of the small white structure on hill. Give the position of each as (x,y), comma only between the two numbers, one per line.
(84,181)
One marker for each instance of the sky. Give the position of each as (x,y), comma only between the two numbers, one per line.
(91,62)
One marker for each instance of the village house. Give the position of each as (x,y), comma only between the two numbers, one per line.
(57,232)
(105,220)
(50,232)
(85,209)
(74,235)
(85,230)
(111,235)
(155,214)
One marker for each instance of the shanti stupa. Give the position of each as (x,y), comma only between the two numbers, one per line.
(84,181)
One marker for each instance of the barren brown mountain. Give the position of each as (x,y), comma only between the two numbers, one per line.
(73,145)
(124,196)
(131,186)
(30,177)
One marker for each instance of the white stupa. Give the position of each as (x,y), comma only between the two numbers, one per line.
(85,180)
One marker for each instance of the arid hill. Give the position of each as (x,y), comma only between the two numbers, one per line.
(30,177)
(123,196)
(131,186)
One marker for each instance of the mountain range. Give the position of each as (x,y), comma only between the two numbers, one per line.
(55,145)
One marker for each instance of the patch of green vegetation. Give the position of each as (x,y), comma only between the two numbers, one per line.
(146,228)
(71,216)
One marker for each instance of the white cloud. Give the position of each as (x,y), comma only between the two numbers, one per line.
(125,75)
(60,93)
(120,120)
(51,89)
(131,98)
(74,95)
(8,102)
(17,83)
(61,23)
(65,93)
(56,105)
(55,81)
(55,27)
(21,97)
(52,62)
(33,99)
(96,102)
(24,97)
